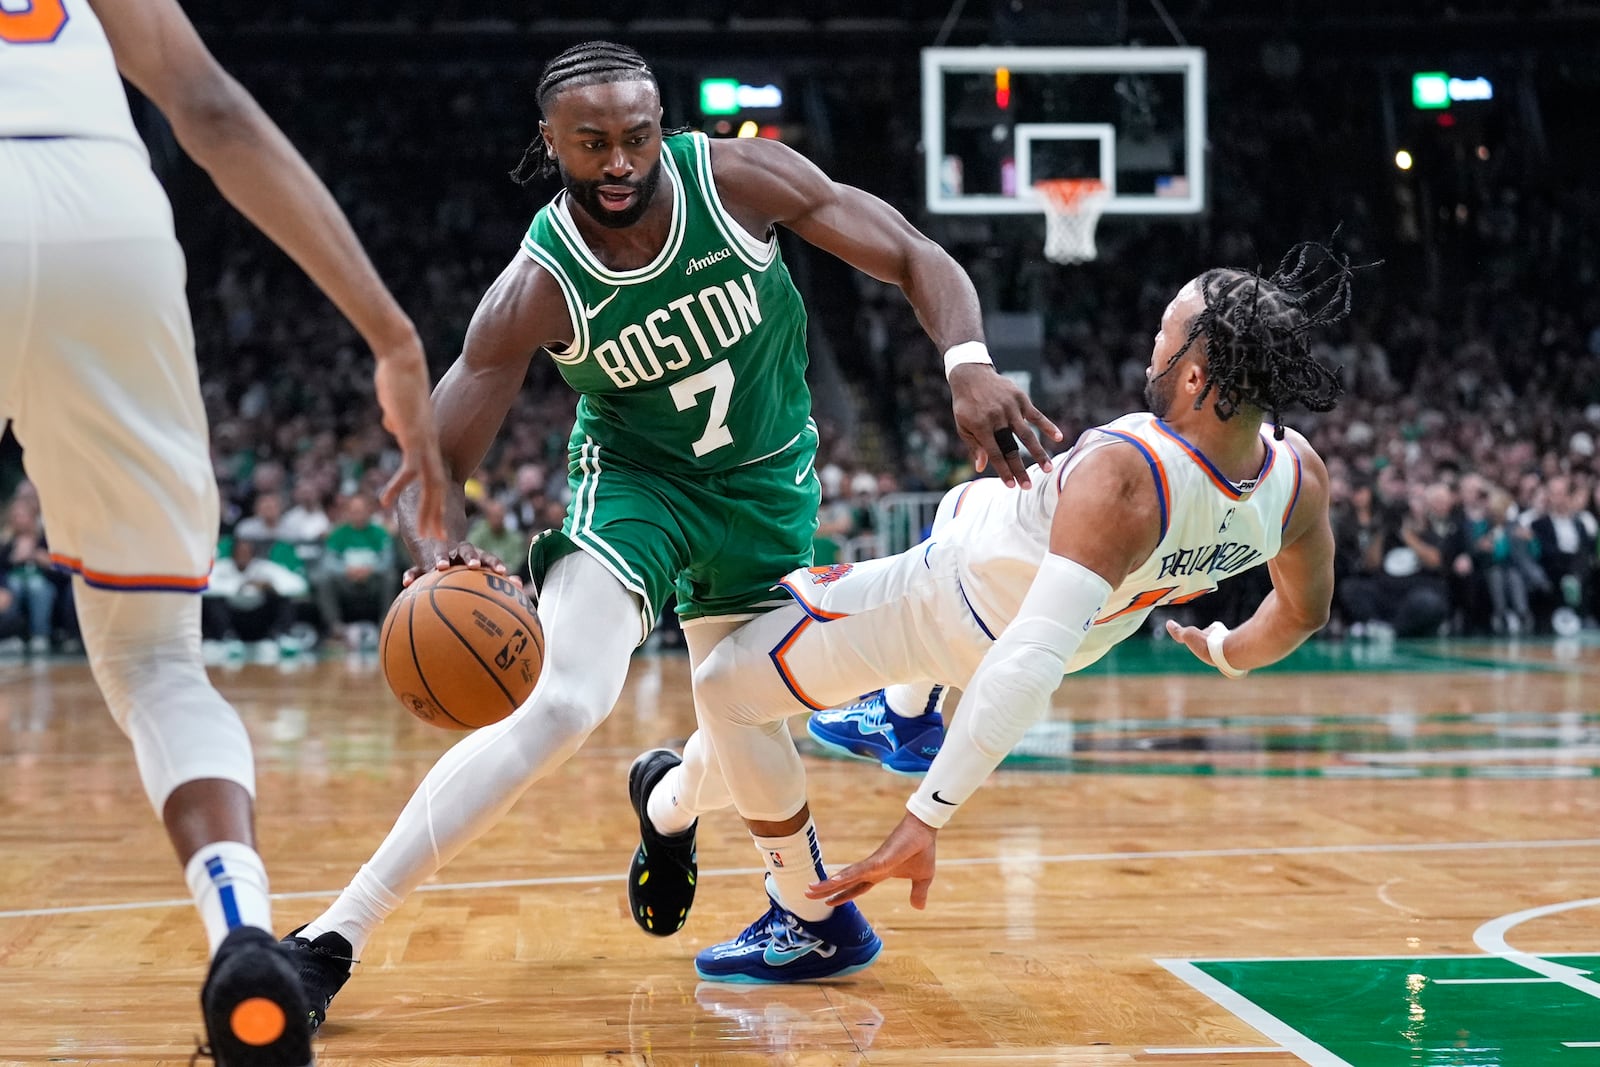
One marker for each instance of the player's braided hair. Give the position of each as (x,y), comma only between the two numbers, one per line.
(590,63)
(1257,330)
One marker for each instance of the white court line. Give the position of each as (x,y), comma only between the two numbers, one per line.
(1491,938)
(976,861)
(1210,1051)
(1495,981)
(1291,1040)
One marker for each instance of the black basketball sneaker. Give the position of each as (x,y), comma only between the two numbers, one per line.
(661,879)
(323,964)
(254,1007)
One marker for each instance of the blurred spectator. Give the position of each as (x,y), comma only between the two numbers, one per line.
(250,598)
(356,579)
(1360,535)
(262,522)
(307,521)
(1502,553)
(1434,532)
(28,570)
(492,532)
(1566,535)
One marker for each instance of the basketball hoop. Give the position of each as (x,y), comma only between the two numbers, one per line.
(1072,208)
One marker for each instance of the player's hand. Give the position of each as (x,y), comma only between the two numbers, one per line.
(1194,639)
(908,852)
(446,554)
(401,381)
(992,416)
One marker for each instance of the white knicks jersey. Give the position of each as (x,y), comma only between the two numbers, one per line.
(57,74)
(1211,529)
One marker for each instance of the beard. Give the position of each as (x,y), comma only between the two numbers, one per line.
(1159,393)
(587,194)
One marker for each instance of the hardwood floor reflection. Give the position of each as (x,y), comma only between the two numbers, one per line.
(1339,807)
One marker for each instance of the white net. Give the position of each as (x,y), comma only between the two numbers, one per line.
(1072,210)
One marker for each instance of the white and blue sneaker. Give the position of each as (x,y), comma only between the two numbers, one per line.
(867,729)
(782,947)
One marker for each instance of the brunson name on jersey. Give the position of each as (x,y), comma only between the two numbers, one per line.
(1226,558)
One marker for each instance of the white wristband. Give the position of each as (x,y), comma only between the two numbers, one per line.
(966,352)
(1216,634)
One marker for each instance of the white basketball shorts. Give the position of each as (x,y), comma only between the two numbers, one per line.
(97,370)
(866,625)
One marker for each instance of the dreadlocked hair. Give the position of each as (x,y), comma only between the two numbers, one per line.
(590,63)
(1256,333)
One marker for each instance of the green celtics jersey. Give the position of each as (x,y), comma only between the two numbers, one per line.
(696,361)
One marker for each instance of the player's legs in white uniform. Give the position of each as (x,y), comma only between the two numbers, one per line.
(882,622)
(97,374)
(900,726)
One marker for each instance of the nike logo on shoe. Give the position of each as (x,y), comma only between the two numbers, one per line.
(773,956)
(591,312)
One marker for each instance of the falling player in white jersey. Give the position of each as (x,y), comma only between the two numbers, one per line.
(97,374)
(1017,587)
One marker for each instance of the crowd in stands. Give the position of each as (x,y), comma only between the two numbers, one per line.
(1465,478)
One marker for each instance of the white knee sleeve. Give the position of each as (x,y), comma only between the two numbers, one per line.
(744,707)
(144,650)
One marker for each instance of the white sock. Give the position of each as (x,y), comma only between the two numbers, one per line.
(912,701)
(665,805)
(229,884)
(359,911)
(793,863)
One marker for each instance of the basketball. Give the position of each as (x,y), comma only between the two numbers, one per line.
(462,648)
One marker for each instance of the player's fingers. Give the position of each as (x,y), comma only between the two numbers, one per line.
(435,490)
(989,452)
(430,512)
(391,491)
(1022,431)
(848,894)
(413,574)
(1007,457)
(1041,420)
(828,886)
(919,892)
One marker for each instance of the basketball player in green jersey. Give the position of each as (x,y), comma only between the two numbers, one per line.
(654,281)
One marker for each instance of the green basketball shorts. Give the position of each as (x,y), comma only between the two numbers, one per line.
(721,541)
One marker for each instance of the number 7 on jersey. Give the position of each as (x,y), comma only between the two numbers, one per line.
(718,378)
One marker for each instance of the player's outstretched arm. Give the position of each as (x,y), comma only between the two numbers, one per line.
(1302,585)
(220,125)
(1107,521)
(766,182)
(521,312)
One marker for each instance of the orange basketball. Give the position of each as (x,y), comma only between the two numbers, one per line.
(462,648)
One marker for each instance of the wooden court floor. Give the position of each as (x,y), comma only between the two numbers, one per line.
(1369,855)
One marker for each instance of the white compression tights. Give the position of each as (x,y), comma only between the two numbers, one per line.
(591,624)
(144,650)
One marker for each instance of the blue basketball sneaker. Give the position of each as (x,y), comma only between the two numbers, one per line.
(867,729)
(782,947)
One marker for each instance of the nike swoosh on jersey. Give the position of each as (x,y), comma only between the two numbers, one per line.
(591,312)
(805,471)
(937,799)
